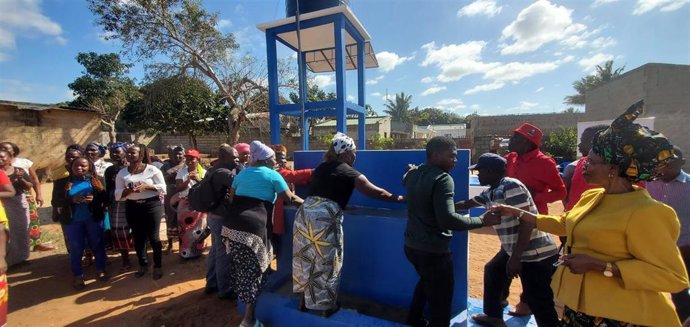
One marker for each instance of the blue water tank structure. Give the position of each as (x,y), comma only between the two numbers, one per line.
(327,37)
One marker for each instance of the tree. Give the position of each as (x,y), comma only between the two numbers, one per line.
(399,109)
(603,75)
(182,105)
(104,87)
(186,34)
(435,116)
(561,143)
(314,94)
(369,111)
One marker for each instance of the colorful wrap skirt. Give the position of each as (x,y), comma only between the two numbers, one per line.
(317,252)
(121,233)
(244,235)
(572,318)
(17,210)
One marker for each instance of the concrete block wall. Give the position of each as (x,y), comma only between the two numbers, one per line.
(666,91)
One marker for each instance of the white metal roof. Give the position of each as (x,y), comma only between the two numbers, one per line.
(318,43)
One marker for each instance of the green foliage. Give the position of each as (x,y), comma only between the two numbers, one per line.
(562,143)
(325,140)
(381,143)
(182,105)
(314,94)
(104,87)
(399,108)
(435,116)
(369,111)
(603,75)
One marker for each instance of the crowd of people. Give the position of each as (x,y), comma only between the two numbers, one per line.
(625,234)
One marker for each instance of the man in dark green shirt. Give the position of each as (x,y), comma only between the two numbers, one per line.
(431,220)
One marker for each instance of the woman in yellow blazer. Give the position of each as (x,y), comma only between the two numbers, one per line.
(621,253)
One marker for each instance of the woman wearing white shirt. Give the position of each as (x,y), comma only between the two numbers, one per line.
(191,222)
(141,185)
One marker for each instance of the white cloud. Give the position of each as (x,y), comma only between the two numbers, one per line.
(603,42)
(602,2)
(103,37)
(427,80)
(323,80)
(223,23)
(375,81)
(389,60)
(515,71)
(69,95)
(588,64)
(376,94)
(486,87)
(19,17)
(350,98)
(539,24)
(643,6)
(456,60)
(388,97)
(433,90)
(525,105)
(451,104)
(474,107)
(480,7)
(539,89)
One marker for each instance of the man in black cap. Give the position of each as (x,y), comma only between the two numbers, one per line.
(525,251)
(431,220)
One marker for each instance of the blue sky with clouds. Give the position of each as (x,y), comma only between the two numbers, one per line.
(488,56)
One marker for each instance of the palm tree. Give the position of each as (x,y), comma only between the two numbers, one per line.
(399,110)
(603,75)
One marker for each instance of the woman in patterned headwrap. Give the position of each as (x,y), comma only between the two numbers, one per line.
(621,255)
(253,193)
(96,151)
(317,243)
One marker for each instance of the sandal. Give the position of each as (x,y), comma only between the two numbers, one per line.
(78,283)
(157,273)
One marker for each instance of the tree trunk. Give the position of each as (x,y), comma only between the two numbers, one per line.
(111,133)
(235,130)
(192,139)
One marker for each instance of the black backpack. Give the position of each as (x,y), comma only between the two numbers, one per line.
(202,197)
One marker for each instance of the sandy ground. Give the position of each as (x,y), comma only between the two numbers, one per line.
(41,292)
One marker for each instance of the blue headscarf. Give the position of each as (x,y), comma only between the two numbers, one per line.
(101,148)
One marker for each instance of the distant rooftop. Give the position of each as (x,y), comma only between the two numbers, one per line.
(41,106)
(353,121)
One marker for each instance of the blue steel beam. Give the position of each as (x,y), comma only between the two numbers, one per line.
(361,89)
(272,60)
(340,87)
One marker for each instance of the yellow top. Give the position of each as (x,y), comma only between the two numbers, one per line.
(637,233)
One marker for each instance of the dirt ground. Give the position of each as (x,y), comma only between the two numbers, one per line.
(41,292)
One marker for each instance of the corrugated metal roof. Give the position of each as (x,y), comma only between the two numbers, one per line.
(352,121)
(41,107)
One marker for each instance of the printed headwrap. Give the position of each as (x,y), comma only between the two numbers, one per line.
(640,151)
(101,148)
(259,151)
(175,148)
(118,145)
(342,143)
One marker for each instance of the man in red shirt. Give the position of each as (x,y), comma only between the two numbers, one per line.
(538,172)
(533,168)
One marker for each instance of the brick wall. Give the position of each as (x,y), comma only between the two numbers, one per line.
(43,135)
(483,128)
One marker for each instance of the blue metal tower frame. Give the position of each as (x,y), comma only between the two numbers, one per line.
(339,107)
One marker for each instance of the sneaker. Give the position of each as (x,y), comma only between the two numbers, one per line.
(78,283)
(142,271)
(102,276)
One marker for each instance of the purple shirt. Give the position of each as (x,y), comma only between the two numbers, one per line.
(675,194)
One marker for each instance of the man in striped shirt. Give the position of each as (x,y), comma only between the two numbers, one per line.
(673,189)
(525,251)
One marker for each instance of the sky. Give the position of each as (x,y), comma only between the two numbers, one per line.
(487,56)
